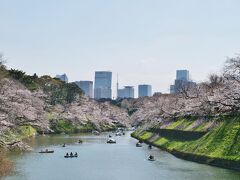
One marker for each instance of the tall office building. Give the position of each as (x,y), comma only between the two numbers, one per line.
(87,87)
(103,85)
(62,77)
(182,80)
(182,75)
(126,92)
(144,90)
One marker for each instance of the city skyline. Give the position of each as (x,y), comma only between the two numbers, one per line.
(145,44)
(103,82)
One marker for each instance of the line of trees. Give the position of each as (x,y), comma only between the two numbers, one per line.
(220,94)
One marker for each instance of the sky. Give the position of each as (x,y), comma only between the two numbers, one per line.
(143,41)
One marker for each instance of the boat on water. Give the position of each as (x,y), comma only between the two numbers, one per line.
(74,156)
(118,134)
(71,155)
(46,151)
(111,141)
(139,144)
(151,158)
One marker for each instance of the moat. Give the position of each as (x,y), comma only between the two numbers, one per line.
(100,161)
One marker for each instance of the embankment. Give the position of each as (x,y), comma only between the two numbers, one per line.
(215,142)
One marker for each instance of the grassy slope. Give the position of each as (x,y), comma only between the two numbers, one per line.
(221,142)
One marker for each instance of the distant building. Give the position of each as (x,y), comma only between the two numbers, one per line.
(172,89)
(126,92)
(182,81)
(87,87)
(180,84)
(157,94)
(62,77)
(144,90)
(182,75)
(103,85)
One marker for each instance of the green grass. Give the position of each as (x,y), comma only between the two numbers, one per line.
(182,124)
(223,141)
(146,135)
(175,124)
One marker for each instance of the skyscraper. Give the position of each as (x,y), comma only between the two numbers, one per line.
(87,87)
(144,90)
(182,75)
(182,81)
(103,85)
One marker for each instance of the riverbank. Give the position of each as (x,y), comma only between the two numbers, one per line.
(217,146)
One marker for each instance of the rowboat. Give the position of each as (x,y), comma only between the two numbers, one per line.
(151,158)
(111,141)
(42,152)
(139,144)
(74,156)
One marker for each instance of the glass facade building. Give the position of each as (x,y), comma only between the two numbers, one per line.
(126,92)
(182,81)
(182,75)
(87,87)
(144,90)
(103,85)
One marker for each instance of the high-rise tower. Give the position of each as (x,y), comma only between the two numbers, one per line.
(103,85)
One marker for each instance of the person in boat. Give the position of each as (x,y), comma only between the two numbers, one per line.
(64,145)
(71,154)
(76,154)
(150,146)
(151,157)
(80,141)
(67,155)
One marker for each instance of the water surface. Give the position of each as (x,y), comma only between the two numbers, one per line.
(100,161)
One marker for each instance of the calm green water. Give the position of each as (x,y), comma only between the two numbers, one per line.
(100,161)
